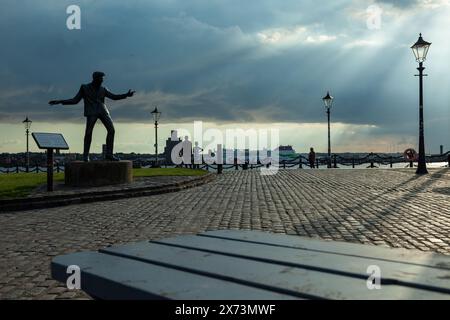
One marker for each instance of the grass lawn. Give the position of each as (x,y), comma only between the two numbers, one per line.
(14,185)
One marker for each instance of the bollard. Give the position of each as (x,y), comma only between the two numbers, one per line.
(335,163)
(353,163)
(219,168)
(411,164)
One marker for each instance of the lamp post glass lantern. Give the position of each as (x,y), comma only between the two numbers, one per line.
(328,102)
(156,115)
(420,50)
(27,124)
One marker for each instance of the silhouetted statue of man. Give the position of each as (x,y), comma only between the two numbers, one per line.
(94,95)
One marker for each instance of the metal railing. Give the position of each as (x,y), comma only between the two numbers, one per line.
(372,160)
(36,168)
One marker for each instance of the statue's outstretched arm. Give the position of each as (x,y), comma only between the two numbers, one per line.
(75,99)
(113,96)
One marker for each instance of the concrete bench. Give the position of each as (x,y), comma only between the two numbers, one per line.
(257,265)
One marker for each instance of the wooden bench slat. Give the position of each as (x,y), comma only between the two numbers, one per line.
(370,251)
(244,265)
(110,277)
(408,274)
(310,283)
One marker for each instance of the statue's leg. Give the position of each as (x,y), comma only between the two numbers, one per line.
(90,123)
(108,123)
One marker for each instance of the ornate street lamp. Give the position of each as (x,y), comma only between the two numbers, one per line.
(420,50)
(328,102)
(27,123)
(156,115)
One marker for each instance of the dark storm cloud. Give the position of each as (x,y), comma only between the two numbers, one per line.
(400,3)
(246,61)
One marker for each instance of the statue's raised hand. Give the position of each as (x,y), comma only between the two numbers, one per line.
(130,93)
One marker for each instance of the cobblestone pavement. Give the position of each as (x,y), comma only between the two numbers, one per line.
(381,207)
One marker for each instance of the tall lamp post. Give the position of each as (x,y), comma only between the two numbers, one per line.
(420,50)
(328,101)
(156,115)
(27,123)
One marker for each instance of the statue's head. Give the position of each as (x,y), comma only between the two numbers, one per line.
(97,78)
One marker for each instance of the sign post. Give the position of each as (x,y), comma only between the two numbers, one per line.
(50,142)
(50,161)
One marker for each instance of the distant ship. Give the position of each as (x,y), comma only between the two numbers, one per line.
(286,151)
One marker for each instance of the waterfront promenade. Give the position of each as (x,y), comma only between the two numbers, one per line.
(373,206)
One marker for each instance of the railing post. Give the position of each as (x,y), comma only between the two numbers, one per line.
(17,168)
(411,164)
(37,167)
(284,164)
(219,168)
(300,165)
(371,164)
(448,160)
(353,163)
(390,162)
(317,163)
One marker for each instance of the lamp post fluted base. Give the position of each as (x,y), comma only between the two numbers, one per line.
(421,170)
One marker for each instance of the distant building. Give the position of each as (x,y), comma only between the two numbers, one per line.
(170,144)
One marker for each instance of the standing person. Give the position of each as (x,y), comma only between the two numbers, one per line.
(312,158)
(94,95)
(197,156)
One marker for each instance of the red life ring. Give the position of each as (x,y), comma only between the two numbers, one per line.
(410,154)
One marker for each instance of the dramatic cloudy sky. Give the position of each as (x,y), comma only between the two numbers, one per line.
(229,63)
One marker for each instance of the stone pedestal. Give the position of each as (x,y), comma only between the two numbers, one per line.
(98,173)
